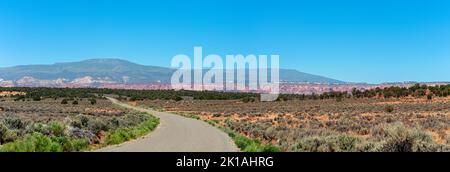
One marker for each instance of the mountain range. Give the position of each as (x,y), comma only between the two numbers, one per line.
(95,72)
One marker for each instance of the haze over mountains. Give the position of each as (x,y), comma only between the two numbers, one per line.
(96,72)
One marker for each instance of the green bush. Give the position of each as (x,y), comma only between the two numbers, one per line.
(56,129)
(71,145)
(127,133)
(80,144)
(270,148)
(242,142)
(35,142)
(118,136)
(347,143)
(252,145)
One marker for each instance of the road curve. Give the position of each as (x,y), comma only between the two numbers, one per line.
(176,134)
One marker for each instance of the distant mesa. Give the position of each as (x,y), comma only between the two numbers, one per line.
(96,72)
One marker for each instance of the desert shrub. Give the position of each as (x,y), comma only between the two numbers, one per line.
(133,119)
(398,138)
(80,121)
(10,136)
(97,125)
(64,101)
(37,128)
(56,128)
(347,142)
(389,109)
(14,123)
(315,144)
(368,146)
(329,143)
(93,101)
(114,122)
(84,120)
(3,130)
(75,102)
(424,146)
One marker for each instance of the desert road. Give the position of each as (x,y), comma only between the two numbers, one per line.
(176,134)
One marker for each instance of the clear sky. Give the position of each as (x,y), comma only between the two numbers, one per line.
(352,40)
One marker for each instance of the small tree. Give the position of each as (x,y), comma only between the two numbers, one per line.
(430,96)
(75,102)
(93,101)
(178,98)
(36,98)
(64,101)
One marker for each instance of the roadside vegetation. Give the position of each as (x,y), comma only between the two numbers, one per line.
(81,133)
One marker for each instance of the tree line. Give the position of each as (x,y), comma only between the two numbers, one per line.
(37,94)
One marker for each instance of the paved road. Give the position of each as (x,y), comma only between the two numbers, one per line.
(176,134)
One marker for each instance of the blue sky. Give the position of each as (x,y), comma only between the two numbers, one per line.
(352,40)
